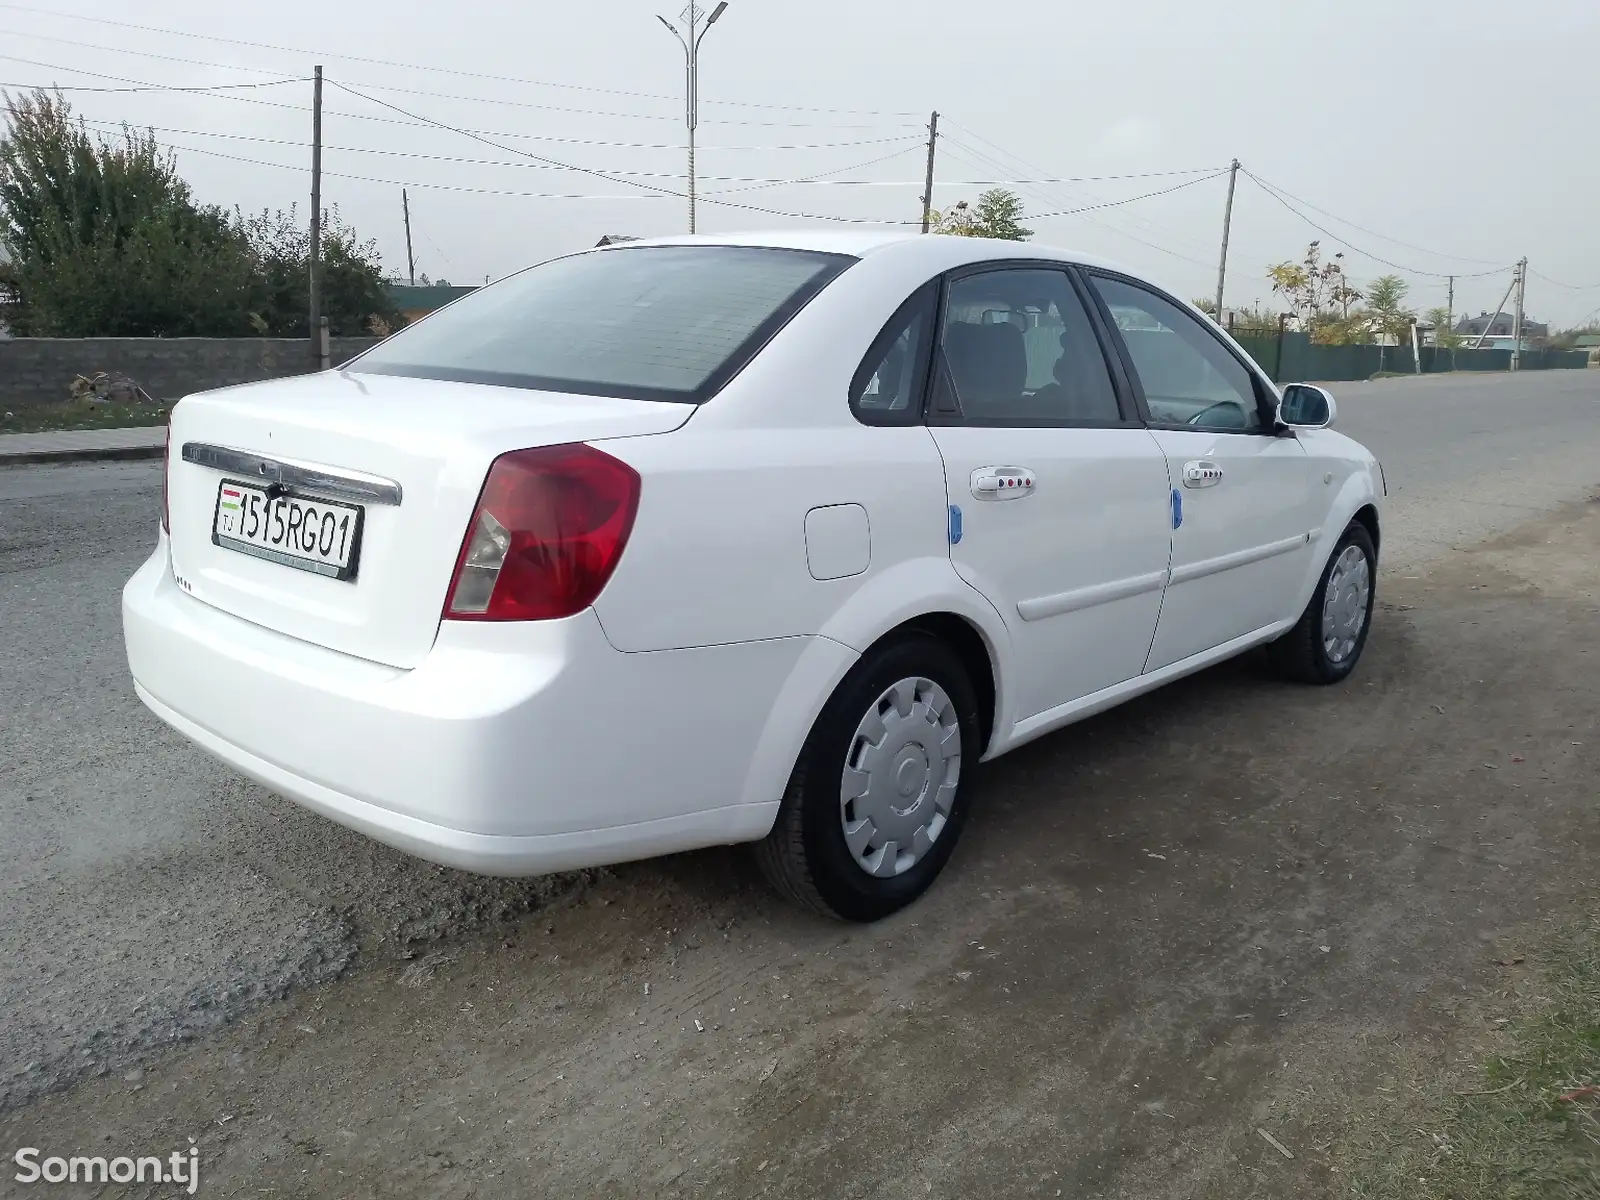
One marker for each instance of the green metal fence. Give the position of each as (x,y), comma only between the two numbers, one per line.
(1294,357)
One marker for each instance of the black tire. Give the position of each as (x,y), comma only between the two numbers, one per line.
(1301,654)
(805,856)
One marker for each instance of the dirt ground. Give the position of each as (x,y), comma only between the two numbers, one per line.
(1209,912)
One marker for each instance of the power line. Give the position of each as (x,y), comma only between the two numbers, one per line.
(221,90)
(536,137)
(385,87)
(1374,232)
(604,175)
(1060,196)
(381,87)
(820,178)
(1351,246)
(324,54)
(1572,287)
(650,194)
(374,118)
(1069,212)
(1056,195)
(100,125)
(192,62)
(260,162)
(1135,217)
(225,92)
(139,87)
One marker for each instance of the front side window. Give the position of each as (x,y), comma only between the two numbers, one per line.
(644,323)
(1189,377)
(1018,348)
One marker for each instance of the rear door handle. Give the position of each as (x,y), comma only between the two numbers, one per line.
(1201,473)
(1002,483)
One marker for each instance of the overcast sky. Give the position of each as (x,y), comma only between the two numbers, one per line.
(1455,136)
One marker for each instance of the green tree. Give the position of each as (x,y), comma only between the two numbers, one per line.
(1319,293)
(998,214)
(104,237)
(1443,334)
(1386,312)
(355,298)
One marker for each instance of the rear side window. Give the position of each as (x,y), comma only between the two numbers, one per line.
(1018,349)
(887,389)
(645,323)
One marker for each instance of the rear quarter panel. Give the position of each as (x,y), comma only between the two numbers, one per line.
(718,552)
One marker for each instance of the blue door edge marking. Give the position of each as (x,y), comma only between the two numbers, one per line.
(1177,509)
(955,524)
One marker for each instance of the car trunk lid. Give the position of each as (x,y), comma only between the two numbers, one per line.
(411,454)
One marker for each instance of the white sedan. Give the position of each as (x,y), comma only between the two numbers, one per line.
(758,539)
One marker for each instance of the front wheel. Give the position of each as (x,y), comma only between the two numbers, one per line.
(878,796)
(1327,641)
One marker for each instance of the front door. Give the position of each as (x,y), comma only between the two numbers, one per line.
(1242,501)
(1059,495)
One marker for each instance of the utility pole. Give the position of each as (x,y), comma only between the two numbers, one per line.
(411,263)
(927,187)
(314,259)
(1498,312)
(1227,224)
(691,76)
(1516,325)
(1451,305)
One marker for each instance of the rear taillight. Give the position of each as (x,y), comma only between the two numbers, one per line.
(166,465)
(550,525)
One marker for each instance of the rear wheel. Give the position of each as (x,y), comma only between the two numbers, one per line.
(878,796)
(1326,642)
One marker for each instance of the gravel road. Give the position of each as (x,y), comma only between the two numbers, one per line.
(150,897)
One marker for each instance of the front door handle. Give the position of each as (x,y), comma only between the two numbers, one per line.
(1201,473)
(1002,483)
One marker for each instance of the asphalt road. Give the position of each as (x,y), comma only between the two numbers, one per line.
(148,896)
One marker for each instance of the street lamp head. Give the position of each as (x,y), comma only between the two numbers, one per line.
(669,25)
(717,12)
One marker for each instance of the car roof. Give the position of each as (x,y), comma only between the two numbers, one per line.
(941,252)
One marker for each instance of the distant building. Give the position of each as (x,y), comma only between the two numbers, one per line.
(611,239)
(1497,330)
(417,302)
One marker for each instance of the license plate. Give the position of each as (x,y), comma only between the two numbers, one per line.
(321,536)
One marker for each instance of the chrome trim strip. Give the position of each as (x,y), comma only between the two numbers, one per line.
(1239,558)
(1041,607)
(294,476)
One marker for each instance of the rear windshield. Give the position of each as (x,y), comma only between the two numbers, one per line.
(645,323)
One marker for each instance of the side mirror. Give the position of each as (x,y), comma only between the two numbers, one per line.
(1307,407)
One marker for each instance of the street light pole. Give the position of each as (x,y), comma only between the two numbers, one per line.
(691,76)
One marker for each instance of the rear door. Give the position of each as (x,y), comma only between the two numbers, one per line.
(1059,496)
(1242,506)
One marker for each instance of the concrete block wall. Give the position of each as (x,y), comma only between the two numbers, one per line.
(40,370)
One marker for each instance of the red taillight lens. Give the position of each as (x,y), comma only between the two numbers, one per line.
(550,526)
(166,465)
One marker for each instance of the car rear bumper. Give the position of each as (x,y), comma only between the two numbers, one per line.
(513,749)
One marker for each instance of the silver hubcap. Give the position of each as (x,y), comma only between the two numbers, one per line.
(1344,605)
(900,777)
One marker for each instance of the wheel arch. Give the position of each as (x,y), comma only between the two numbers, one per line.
(826,661)
(1367,514)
